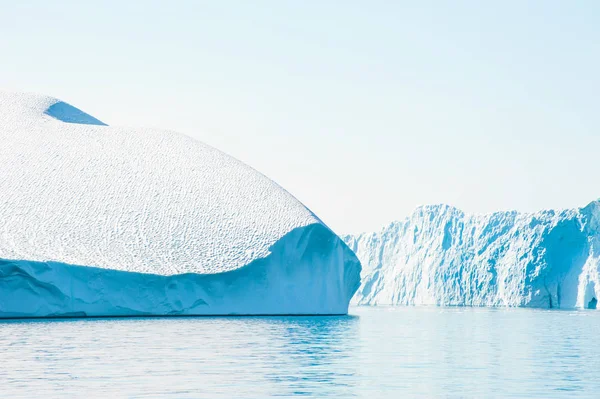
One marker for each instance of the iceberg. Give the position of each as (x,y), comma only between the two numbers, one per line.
(442,256)
(109,221)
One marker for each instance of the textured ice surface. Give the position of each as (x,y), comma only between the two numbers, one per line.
(441,256)
(74,191)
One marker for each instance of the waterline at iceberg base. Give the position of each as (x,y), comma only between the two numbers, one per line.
(442,256)
(309,271)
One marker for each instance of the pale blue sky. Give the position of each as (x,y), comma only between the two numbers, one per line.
(362,109)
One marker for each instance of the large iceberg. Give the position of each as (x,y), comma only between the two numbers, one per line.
(104,221)
(442,256)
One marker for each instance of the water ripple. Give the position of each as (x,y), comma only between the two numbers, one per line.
(378,352)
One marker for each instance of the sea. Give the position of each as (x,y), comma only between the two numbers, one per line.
(374,352)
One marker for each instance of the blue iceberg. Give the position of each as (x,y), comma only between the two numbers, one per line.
(108,221)
(442,256)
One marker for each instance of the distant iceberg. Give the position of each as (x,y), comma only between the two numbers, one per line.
(442,256)
(104,221)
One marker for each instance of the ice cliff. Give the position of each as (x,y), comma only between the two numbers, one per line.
(101,221)
(442,256)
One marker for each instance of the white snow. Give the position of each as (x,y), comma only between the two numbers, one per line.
(74,191)
(441,256)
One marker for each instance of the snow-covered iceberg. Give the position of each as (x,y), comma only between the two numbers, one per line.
(441,256)
(102,221)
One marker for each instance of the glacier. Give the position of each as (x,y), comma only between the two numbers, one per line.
(441,256)
(98,220)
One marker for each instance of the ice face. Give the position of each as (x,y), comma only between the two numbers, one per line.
(441,256)
(77,193)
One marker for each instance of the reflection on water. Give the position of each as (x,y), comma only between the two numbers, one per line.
(315,356)
(378,352)
(182,357)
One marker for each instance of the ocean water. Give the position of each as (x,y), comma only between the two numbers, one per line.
(373,353)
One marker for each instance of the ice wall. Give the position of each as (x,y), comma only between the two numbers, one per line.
(302,275)
(442,256)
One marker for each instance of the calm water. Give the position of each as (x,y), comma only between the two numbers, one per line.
(376,352)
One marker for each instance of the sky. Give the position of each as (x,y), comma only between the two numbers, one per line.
(363,110)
